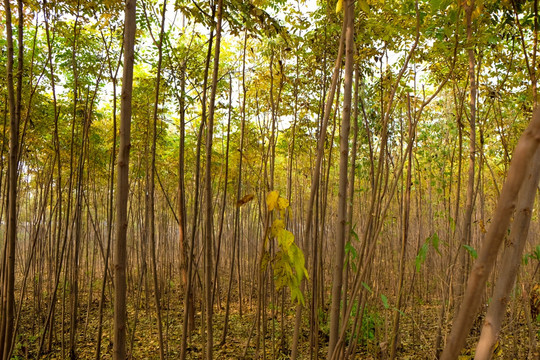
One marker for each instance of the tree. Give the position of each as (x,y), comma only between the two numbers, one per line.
(120,310)
(348,19)
(14,101)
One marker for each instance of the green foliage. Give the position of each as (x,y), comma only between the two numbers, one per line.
(431,242)
(371,321)
(535,255)
(351,254)
(366,286)
(289,262)
(384,300)
(471,251)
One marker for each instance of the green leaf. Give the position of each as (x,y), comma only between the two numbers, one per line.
(298,261)
(435,242)
(352,254)
(296,294)
(285,240)
(471,251)
(385,301)
(354,235)
(452,224)
(421,257)
(435,5)
(399,311)
(536,253)
(366,286)
(349,249)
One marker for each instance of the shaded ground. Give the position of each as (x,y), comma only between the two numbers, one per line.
(419,327)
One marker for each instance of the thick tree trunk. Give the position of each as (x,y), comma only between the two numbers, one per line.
(122,193)
(8,305)
(521,161)
(510,263)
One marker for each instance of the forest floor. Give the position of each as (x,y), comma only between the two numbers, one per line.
(419,328)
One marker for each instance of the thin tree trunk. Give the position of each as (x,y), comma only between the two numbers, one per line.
(181,184)
(404,235)
(151,209)
(208,182)
(236,234)
(343,165)
(224,201)
(189,298)
(110,210)
(315,183)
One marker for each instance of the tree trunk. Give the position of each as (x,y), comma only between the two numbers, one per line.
(236,229)
(8,306)
(315,184)
(151,208)
(343,165)
(208,182)
(510,264)
(404,235)
(469,204)
(122,193)
(189,298)
(521,161)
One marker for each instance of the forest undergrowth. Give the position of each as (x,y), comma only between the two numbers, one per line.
(419,323)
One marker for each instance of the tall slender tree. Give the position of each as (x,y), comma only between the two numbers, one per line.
(152,187)
(343,175)
(122,186)
(14,103)
(208,260)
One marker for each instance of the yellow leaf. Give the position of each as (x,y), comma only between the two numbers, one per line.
(339,6)
(271,200)
(282,203)
(497,349)
(476,13)
(277,226)
(482,227)
(285,239)
(245,200)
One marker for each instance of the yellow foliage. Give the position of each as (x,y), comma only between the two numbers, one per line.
(271,200)
(277,226)
(482,226)
(477,12)
(282,203)
(245,200)
(339,6)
